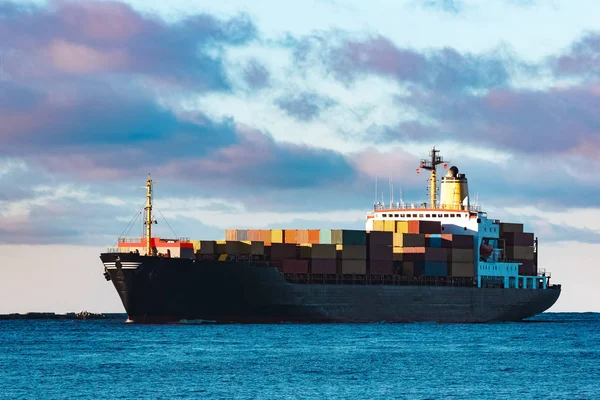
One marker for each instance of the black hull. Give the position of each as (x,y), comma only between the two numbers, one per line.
(165,290)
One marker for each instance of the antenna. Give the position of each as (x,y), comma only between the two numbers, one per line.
(375,188)
(391,187)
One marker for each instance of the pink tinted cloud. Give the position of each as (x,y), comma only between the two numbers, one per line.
(254,148)
(377,55)
(76,58)
(105,37)
(394,162)
(583,57)
(100,19)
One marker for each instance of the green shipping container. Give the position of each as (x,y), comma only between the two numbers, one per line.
(325,236)
(347,236)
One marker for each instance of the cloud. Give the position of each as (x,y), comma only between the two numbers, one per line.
(304,106)
(558,120)
(443,69)
(256,75)
(257,160)
(448,6)
(582,59)
(70,38)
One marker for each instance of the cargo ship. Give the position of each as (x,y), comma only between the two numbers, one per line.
(442,261)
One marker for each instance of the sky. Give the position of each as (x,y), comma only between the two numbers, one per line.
(278,114)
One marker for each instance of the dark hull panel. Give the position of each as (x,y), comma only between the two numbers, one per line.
(172,289)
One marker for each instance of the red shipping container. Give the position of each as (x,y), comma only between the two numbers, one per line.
(518,239)
(380,238)
(381,267)
(295,266)
(280,251)
(381,253)
(424,227)
(301,236)
(320,266)
(314,236)
(436,254)
(527,268)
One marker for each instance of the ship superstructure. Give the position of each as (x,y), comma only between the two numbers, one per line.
(442,261)
(457,216)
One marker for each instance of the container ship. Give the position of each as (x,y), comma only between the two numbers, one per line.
(442,261)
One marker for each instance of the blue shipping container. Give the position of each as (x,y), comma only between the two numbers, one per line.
(435,269)
(435,242)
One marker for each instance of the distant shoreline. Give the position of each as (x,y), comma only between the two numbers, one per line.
(83,315)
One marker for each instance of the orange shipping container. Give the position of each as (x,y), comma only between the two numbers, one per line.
(265,235)
(254,235)
(290,236)
(231,234)
(301,236)
(314,236)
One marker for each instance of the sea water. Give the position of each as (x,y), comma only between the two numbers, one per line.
(552,356)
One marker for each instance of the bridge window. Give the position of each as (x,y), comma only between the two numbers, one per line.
(384,215)
(440,215)
(452,215)
(428,215)
(414,215)
(420,215)
(396,215)
(445,215)
(402,215)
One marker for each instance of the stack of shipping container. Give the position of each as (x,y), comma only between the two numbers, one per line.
(519,247)
(409,248)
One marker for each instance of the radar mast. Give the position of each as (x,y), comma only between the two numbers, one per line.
(431,165)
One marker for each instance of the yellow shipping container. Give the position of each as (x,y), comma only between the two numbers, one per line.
(401,226)
(276,236)
(377,225)
(398,240)
(389,225)
(196,244)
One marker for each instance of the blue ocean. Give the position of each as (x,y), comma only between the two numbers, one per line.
(554,355)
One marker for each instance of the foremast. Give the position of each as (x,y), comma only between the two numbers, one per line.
(149,218)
